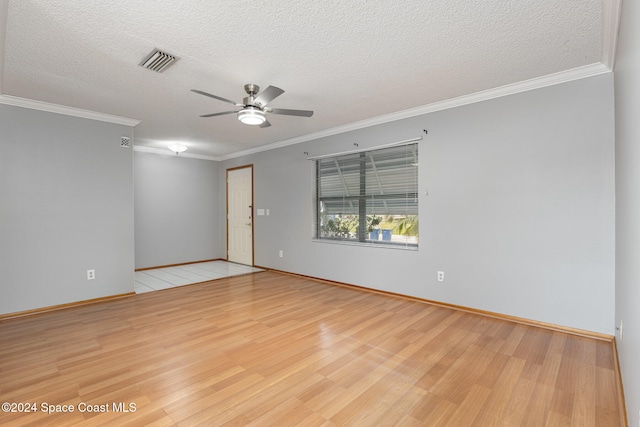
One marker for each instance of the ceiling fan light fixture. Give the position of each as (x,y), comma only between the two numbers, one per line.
(177,148)
(251,116)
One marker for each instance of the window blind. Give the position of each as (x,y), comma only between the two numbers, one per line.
(374,183)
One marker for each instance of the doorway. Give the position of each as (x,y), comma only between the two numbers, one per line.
(240,215)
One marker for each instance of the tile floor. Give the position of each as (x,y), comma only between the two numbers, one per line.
(170,277)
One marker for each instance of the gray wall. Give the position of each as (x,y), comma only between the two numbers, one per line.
(520,211)
(176,210)
(627,82)
(66,206)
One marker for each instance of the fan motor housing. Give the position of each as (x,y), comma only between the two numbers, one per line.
(249,101)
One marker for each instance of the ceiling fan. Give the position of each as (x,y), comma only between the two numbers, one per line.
(253,107)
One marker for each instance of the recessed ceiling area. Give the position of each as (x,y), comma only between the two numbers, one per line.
(350,62)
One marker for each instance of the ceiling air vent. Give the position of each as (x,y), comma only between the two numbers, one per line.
(158,61)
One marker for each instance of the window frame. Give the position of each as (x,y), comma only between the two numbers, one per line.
(364,199)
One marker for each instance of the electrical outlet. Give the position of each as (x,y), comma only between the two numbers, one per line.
(91,274)
(440,276)
(280,254)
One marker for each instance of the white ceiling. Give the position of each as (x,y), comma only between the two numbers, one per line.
(352,62)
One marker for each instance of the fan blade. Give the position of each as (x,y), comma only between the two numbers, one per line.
(219,114)
(301,113)
(215,97)
(266,124)
(268,95)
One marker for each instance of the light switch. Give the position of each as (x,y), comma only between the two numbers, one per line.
(260,212)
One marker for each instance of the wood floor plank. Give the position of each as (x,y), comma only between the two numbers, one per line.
(436,412)
(539,406)
(277,349)
(497,408)
(518,402)
(473,403)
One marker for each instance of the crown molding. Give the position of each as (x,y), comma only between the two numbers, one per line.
(69,111)
(166,152)
(611,10)
(4,7)
(510,89)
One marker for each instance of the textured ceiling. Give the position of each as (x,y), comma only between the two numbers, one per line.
(348,61)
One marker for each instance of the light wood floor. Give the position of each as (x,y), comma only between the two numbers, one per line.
(274,349)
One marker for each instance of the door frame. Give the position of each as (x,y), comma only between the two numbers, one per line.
(250,167)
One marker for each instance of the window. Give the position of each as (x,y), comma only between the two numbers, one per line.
(369,197)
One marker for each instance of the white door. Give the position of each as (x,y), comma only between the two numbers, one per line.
(240,215)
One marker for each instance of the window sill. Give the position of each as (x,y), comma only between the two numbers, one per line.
(386,245)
